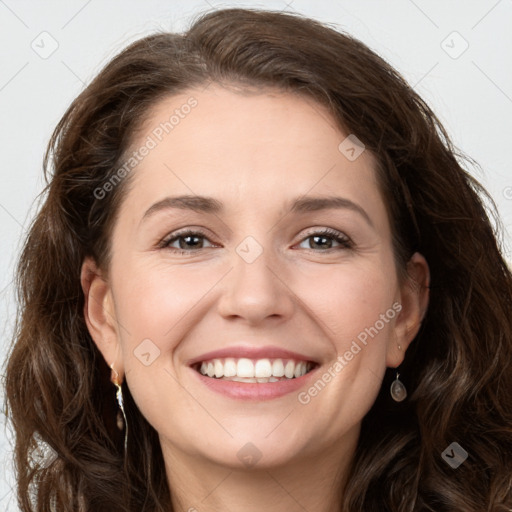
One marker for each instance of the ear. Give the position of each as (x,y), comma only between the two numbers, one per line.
(414,297)
(99,314)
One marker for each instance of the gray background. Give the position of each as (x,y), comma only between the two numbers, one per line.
(50,50)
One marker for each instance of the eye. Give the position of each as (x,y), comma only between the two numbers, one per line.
(324,239)
(188,240)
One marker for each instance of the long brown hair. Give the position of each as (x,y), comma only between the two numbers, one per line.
(456,370)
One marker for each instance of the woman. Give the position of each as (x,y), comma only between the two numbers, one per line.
(260,279)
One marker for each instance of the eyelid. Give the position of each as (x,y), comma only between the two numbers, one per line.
(340,237)
(335,234)
(164,243)
(324,230)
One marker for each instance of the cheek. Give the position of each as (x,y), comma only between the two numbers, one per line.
(155,301)
(162,303)
(355,309)
(156,307)
(348,301)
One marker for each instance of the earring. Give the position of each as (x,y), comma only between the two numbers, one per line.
(398,391)
(120,413)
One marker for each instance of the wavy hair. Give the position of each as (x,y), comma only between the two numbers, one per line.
(457,369)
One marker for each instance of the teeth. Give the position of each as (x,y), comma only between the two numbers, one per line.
(241,379)
(289,369)
(229,367)
(259,380)
(278,368)
(261,370)
(245,368)
(300,369)
(219,368)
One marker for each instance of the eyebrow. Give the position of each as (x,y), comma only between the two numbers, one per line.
(204,204)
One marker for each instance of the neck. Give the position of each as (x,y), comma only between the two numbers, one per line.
(312,482)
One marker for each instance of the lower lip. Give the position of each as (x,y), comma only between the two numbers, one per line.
(255,390)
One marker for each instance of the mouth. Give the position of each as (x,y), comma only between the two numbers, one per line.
(251,371)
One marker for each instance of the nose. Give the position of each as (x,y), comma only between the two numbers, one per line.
(256,290)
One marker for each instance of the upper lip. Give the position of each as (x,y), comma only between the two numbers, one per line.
(266,352)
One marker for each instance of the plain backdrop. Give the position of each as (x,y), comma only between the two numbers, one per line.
(456,54)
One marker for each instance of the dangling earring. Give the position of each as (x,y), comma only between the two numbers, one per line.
(120,413)
(398,391)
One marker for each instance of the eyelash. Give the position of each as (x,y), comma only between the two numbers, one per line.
(343,240)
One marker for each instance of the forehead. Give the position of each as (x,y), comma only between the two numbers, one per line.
(244,147)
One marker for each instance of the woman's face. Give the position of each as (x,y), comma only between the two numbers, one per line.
(256,281)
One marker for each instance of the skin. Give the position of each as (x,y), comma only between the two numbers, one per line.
(255,153)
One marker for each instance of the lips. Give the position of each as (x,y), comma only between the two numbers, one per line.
(252,353)
(285,372)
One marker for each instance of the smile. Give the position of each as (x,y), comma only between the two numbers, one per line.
(254,370)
